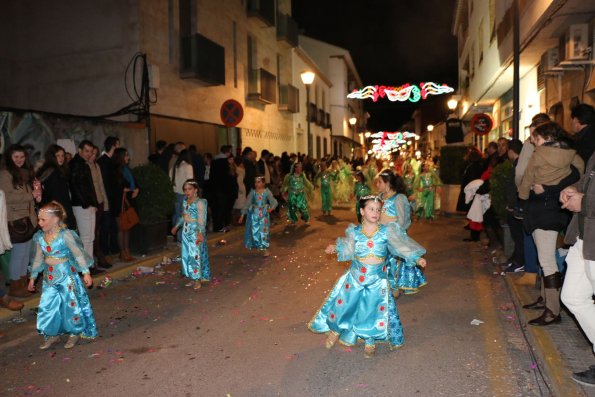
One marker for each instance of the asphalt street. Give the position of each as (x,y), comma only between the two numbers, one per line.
(245,334)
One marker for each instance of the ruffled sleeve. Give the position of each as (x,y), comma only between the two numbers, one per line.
(401,245)
(201,207)
(403,211)
(36,265)
(83,260)
(345,246)
(271,199)
(248,202)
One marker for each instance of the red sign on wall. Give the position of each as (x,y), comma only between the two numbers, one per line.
(231,113)
(481,124)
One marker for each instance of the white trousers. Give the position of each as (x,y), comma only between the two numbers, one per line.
(85,222)
(578,289)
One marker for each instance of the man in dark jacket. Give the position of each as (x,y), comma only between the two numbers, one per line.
(84,198)
(583,126)
(249,159)
(109,227)
(579,282)
(220,179)
(517,260)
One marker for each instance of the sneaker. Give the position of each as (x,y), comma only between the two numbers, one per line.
(514,268)
(369,351)
(518,214)
(586,378)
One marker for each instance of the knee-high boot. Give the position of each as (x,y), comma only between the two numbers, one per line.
(551,287)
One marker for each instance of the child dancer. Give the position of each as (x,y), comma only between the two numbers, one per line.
(64,307)
(259,204)
(361,189)
(360,305)
(195,253)
(426,184)
(326,178)
(403,276)
(296,185)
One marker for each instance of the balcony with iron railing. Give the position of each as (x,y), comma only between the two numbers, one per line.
(287,30)
(262,10)
(262,86)
(202,59)
(289,98)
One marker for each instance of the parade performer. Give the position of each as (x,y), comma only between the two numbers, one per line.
(325,178)
(361,189)
(64,307)
(343,183)
(259,204)
(195,252)
(404,276)
(360,305)
(297,186)
(426,184)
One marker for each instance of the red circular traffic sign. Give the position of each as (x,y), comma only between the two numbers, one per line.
(481,124)
(231,113)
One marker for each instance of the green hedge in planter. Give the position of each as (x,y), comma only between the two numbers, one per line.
(156,199)
(452,164)
(500,178)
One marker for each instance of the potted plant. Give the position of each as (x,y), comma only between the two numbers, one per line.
(452,165)
(155,205)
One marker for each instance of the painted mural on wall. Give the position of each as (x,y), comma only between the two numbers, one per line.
(36,131)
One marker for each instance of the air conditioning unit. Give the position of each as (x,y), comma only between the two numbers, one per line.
(577,42)
(550,60)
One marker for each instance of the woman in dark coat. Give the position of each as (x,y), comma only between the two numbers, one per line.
(54,179)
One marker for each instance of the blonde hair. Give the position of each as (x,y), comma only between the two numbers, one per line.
(56,209)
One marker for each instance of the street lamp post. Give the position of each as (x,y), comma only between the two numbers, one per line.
(352,122)
(308,78)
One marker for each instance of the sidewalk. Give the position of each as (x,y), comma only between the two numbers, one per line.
(561,348)
(122,270)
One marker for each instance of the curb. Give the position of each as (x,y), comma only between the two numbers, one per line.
(545,349)
(119,272)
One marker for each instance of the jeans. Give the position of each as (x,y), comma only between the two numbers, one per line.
(178,212)
(20,255)
(109,234)
(578,289)
(85,220)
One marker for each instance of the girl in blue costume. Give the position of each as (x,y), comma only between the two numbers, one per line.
(64,307)
(360,305)
(195,253)
(259,204)
(404,276)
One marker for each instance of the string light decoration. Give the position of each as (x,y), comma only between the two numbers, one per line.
(406,92)
(384,143)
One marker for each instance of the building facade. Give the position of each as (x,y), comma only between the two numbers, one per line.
(336,63)
(548,82)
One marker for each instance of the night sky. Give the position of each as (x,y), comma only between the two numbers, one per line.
(392,42)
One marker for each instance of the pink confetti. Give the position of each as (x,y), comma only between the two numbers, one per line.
(533,365)
(348,349)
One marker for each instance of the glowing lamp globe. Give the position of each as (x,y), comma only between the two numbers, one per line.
(307,77)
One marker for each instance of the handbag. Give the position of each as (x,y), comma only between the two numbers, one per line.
(20,230)
(128,216)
